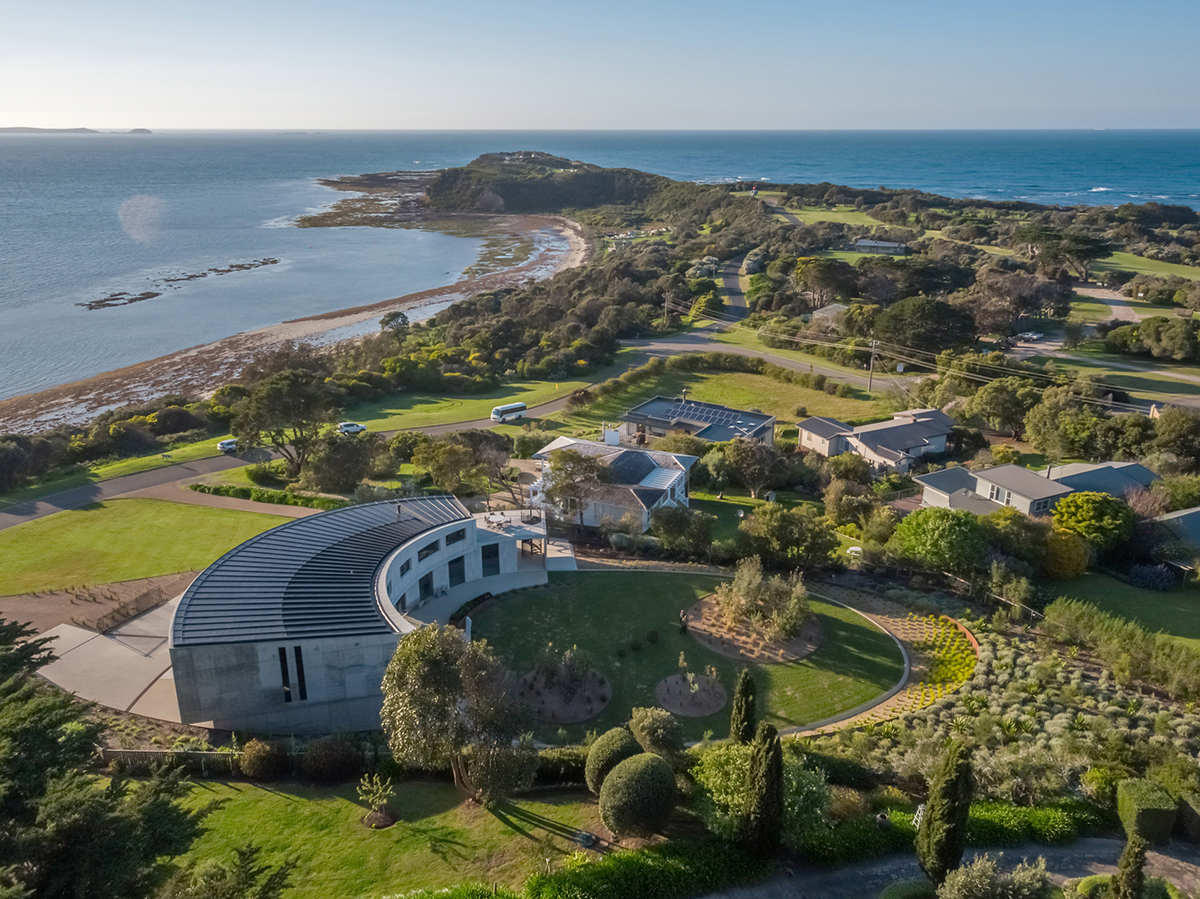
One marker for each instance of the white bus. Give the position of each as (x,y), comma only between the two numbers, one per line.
(509,412)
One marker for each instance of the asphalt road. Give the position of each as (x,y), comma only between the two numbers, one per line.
(731,285)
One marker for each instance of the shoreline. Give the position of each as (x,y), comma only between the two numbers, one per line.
(199,370)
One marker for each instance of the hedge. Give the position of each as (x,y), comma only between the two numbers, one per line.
(670,871)
(842,772)
(1189,817)
(275,497)
(1145,808)
(609,750)
(561,765)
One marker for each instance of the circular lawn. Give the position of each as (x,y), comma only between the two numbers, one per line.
(608,613)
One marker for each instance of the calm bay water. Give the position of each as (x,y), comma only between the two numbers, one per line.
(84,216)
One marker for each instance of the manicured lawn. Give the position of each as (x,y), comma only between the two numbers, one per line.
(1132,263)
(1176,613)
(726,510)
(439,841)
(119,540)
(1088,310)
(604,611)
(415,410)
(736,389)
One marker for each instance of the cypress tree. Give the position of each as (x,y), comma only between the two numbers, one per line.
(741,721)
(942,834)
(763,817)
(1130,878)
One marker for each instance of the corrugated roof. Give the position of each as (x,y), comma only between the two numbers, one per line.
(312,577)
(948,480)
(1114,478)
(660,477)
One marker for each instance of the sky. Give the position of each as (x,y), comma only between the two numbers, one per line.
(622,64)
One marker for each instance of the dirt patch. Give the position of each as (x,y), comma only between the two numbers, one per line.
(84,606)
(379,819)
(707,626)
(551,705)
(680,697)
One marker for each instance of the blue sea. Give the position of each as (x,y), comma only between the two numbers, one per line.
(83,216)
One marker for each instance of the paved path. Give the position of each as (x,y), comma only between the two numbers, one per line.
(1119,306)
(731,287)
(788,217)
(1094,855)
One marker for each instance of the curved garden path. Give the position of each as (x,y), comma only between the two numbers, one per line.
(1175,862)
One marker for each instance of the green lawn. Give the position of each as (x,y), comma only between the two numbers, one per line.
(604,611)
(1150,385)
(1088,311)
(1176,613)
(1131,263)
(119,540)
(746,336)
(737,389)
(415,410)
(439,841)
(726,510)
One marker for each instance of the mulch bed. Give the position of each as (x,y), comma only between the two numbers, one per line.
(675,694)
(552,707)
(707,627)
(379,819)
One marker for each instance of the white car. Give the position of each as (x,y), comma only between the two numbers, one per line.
(1029,335)
(350,428)
(227,446)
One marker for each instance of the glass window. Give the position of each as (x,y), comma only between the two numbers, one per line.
(425,585)
(428,550)
(405,567)
(456,536)
(457,570)
(489,555)
(283,672)
(300,674)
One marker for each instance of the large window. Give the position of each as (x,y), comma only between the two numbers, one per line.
(489,555)
(428,550)
(405,567)
(457,569)
(456,536)
(425,585)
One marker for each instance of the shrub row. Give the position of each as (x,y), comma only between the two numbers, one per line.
(1125,647)
(1145,808)
(276,497)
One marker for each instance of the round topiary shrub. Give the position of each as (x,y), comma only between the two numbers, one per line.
(263,760)
(638,796)
(331,760)
(609,750)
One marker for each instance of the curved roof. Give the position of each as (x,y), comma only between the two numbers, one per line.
(312,577)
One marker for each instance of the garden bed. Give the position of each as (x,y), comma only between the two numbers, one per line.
(744,641)
(552,705)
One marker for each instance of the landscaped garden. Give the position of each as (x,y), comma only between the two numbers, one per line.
(120,540)
(629,623)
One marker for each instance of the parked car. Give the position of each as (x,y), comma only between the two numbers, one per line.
(1029,335)
(350,428)
(227,446)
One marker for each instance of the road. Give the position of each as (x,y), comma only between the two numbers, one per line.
(731,286)
(1119,307)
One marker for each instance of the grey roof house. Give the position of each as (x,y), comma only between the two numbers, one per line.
(888,445)
(708,421)
(888,247)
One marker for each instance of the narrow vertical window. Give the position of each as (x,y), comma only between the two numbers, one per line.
(283,672)
(300,674)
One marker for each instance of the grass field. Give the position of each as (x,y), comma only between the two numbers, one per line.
(1150,385)
(1176,613)
(439,841)
(737,389)
(748,337)
(1132,263)
(119,540)
(604,611)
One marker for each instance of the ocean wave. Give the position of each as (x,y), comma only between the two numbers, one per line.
(1096,190)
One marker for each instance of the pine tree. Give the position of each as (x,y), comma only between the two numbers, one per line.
(1130,878)
(741,721)
(763,817)
(941,836)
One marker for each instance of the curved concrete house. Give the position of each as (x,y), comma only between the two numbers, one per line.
(291,631)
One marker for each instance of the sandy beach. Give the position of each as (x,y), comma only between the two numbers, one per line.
(199,370)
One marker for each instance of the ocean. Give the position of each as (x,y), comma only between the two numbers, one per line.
(86,216)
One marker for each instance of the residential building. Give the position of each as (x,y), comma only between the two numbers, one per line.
(291,631)
(828,314)
(707,421)
(887,247)
(638,481)
(888,445)
(1114,478)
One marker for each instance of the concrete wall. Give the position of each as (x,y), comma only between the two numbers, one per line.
(239,686)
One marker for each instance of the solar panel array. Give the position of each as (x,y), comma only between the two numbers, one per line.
(312,577)
(672,411)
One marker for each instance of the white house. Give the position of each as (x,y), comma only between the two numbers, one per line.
(639,481)
(888,445)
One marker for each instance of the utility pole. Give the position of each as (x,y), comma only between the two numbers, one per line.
(871,368)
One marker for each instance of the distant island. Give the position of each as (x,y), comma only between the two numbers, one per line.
(21,129)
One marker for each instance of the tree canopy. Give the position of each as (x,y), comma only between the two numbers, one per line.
(288,410)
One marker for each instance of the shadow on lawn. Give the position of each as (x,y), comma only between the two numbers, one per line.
(443,840)
(525,822)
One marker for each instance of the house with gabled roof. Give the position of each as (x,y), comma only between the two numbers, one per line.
(638,481)
(888,445)
(663,415)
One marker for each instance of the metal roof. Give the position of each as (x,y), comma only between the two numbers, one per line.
(826,428)
(1113,478)
(312,577)
(1022,482)
(719,422)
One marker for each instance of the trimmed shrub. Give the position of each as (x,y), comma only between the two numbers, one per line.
(858,839)
(997,824)
(638,796)
(657,731)
(1189,817)
(671,871)
(609,750)
(1146,809)
(562,765)
(263,760)
(1051,826)
(331,760)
